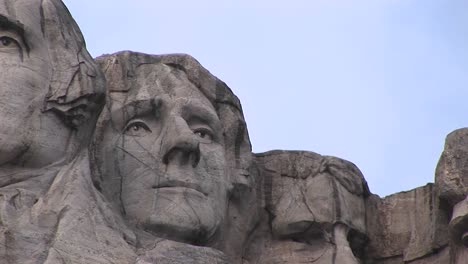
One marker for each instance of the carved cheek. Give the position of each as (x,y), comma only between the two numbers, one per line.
(212,171)
(22,83)
(135,153)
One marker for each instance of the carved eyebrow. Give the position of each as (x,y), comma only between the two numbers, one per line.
(197,110)
(141,107)
(14,26)
(125,111)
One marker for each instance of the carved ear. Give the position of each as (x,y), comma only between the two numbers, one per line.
(242,154)
(77,112)
(241,183)
(77,85)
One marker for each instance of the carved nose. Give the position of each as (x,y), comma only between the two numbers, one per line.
(181,147)
(184,151)
(343,251)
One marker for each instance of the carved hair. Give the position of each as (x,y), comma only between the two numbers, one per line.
(77,86)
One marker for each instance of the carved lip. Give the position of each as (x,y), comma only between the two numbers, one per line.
(178,184)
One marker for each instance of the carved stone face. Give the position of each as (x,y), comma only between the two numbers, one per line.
(165,142)
(24,75)
(49,84)
(318,209)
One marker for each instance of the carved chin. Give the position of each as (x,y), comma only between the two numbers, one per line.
(183,215)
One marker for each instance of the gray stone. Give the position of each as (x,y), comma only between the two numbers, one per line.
(451,176)
(452,186)
(165,173)
(407,224)
(314,210)
(173,156)
(52,92)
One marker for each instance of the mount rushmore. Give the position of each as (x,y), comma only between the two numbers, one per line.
(138,158)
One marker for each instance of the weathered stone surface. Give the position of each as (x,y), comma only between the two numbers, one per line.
(314,210)
(165,174)
(451,176)
(452,188)
(408,224)
(51,94)
(173,156)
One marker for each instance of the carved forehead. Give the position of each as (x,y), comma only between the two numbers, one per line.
(26,13)
(158,79)
(120,71)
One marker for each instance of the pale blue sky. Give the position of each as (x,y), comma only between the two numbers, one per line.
(377,82)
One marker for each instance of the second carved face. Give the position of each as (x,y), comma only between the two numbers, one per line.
(164,146)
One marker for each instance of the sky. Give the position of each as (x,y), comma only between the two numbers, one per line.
(377,82)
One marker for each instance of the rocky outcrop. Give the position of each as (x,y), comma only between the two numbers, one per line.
(407,226)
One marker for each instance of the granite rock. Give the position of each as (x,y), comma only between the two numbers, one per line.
(138,158)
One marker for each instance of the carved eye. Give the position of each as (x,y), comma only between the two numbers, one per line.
(205,134)
(9,43)
(6,41)
(137,128)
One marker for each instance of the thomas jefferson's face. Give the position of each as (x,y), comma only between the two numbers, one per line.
(165,143)
(24,74)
